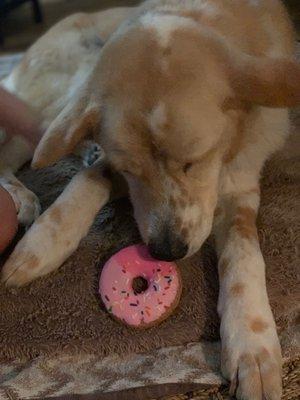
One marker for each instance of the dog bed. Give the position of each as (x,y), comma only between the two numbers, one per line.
(58,342)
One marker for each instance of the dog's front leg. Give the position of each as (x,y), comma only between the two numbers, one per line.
(251,356)
(57,232)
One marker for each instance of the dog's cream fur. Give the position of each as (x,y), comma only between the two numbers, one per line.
(188,99)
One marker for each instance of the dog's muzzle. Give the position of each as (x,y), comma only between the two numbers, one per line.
(167,246)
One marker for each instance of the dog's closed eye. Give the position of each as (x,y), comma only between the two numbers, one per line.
(132,171)
(126,172)
(187,166)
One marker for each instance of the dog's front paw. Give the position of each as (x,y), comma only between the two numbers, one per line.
(251,361)
(21,268)
(90,152)
(36,254)
(32,258)
(44,247)
(26,202)
(39,252)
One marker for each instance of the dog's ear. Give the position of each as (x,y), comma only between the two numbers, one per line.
(269,82)
(79,118)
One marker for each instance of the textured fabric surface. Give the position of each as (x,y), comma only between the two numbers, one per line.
(62,312)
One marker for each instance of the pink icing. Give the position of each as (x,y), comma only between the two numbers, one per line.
(116,286)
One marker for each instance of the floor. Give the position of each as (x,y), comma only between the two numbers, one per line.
(20,31)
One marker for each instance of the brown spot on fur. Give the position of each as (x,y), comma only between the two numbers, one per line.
(237,289)
(258,325)
(55,214)
(244,223)
(223,267)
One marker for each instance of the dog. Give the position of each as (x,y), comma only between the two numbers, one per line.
(187,100)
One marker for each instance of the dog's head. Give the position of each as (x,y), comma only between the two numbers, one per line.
(162,129)
(166,90)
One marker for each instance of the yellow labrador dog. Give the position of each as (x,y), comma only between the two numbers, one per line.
(188,99)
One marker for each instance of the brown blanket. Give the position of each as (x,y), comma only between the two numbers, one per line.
(60,316)
(62,312)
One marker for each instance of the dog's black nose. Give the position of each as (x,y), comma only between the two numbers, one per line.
(167,248)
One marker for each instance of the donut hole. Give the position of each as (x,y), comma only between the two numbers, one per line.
(139,284)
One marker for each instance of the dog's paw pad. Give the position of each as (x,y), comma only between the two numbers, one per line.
(92,156)
(90,152)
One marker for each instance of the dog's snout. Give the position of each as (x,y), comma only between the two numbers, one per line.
(167,247)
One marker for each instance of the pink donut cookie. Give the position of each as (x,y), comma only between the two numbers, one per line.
(139,290)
